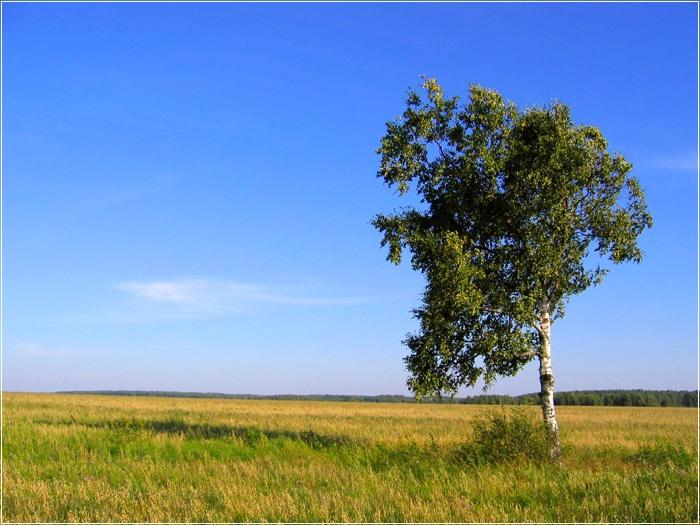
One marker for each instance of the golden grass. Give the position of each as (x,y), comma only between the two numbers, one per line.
(99,458)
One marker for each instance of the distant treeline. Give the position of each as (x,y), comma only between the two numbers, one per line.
(617,398)
(630,398)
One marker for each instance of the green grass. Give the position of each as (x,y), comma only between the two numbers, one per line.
(94,458)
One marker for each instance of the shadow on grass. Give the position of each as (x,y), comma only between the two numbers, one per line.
(419,460)
(249,435)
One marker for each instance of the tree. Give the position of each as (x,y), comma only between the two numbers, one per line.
(518,210)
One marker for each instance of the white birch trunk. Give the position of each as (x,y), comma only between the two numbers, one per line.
(547,379)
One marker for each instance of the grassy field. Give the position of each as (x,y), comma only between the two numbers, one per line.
(98,458)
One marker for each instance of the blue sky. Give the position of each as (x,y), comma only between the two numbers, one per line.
(187,189)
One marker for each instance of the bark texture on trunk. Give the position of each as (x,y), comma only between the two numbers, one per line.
(547,380)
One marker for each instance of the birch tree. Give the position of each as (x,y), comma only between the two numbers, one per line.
(517,211)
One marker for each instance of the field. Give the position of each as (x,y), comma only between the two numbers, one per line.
(99,458)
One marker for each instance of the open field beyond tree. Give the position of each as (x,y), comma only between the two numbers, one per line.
(101,458)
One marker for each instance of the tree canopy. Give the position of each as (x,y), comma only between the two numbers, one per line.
(519,210)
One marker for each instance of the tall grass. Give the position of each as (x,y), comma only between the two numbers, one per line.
(96,458)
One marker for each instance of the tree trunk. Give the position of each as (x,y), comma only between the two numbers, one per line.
(547,380)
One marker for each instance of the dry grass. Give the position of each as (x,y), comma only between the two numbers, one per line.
(98,458)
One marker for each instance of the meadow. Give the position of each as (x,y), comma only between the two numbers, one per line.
(73,458)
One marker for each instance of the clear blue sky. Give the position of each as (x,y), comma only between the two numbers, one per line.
(187,188)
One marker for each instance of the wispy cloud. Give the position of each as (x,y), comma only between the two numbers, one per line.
(42,350)
(686,162)
(208,296)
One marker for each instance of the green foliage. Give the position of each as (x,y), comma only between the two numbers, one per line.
(502,436)
(513,205)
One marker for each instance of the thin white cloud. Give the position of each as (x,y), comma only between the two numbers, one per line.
(41,350)
(686,162)
(207,296)
(183,291)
